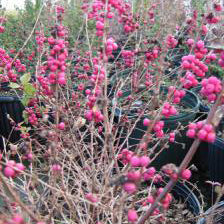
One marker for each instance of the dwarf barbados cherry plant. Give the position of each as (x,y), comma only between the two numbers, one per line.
(74,162)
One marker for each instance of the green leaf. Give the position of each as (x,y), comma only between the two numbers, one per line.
(14,85)
(25,78)
(25,100)
(29,89)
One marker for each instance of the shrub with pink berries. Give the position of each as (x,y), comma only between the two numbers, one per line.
(97,109)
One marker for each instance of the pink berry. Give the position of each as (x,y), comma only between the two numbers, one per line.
(99,25)
(134,175)
(144,161)
(186,174)
(29,156)
(150,199)
(19,167)
(146,122)
(202,134)
(9,172)
(18,219)
(132,216)
(191,133)
(61,126)
(91,197)
(208,127)
(130,187)
(190,42)
(62,81)
(192,126)
(135,161)
(11,163)
(88,91)
(119,93)
(200,44)
(211,137)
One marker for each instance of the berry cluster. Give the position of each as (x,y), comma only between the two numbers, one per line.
(200,50)
(172,137)
(56,168)
(2,29)
(6,62)
(13,169)
(32,118)
(172,171)
(125,156)
(149,174)
(97,12)
(158,128)
(204,30)
(151,199)
(2,21)
(168,110)
(217,7)
(151,55)
(40,39)
(177,94)
(56,62)
(171,42)
(128,57)
(210,57)
(142,161)
(99,27)
(18,219)
(191,63)
(201,130)
(148,80)
(189,80)
(210,88)
(98,75)
(212,19)
(110,46)
(94,114)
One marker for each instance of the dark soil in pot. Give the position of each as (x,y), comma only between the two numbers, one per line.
(214,215)
(184,208)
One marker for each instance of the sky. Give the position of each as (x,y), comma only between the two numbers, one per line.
(9,4)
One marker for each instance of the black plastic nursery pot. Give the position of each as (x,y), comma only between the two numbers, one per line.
(12,106)
(203,109)
(183,192)
(176,151)
(216,160)
(214,215)
(209,157)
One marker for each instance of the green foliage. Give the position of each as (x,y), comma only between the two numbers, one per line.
(25,78)
(216,70)
(14,85)
(28,89)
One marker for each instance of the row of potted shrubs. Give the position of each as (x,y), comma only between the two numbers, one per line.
(209,157)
